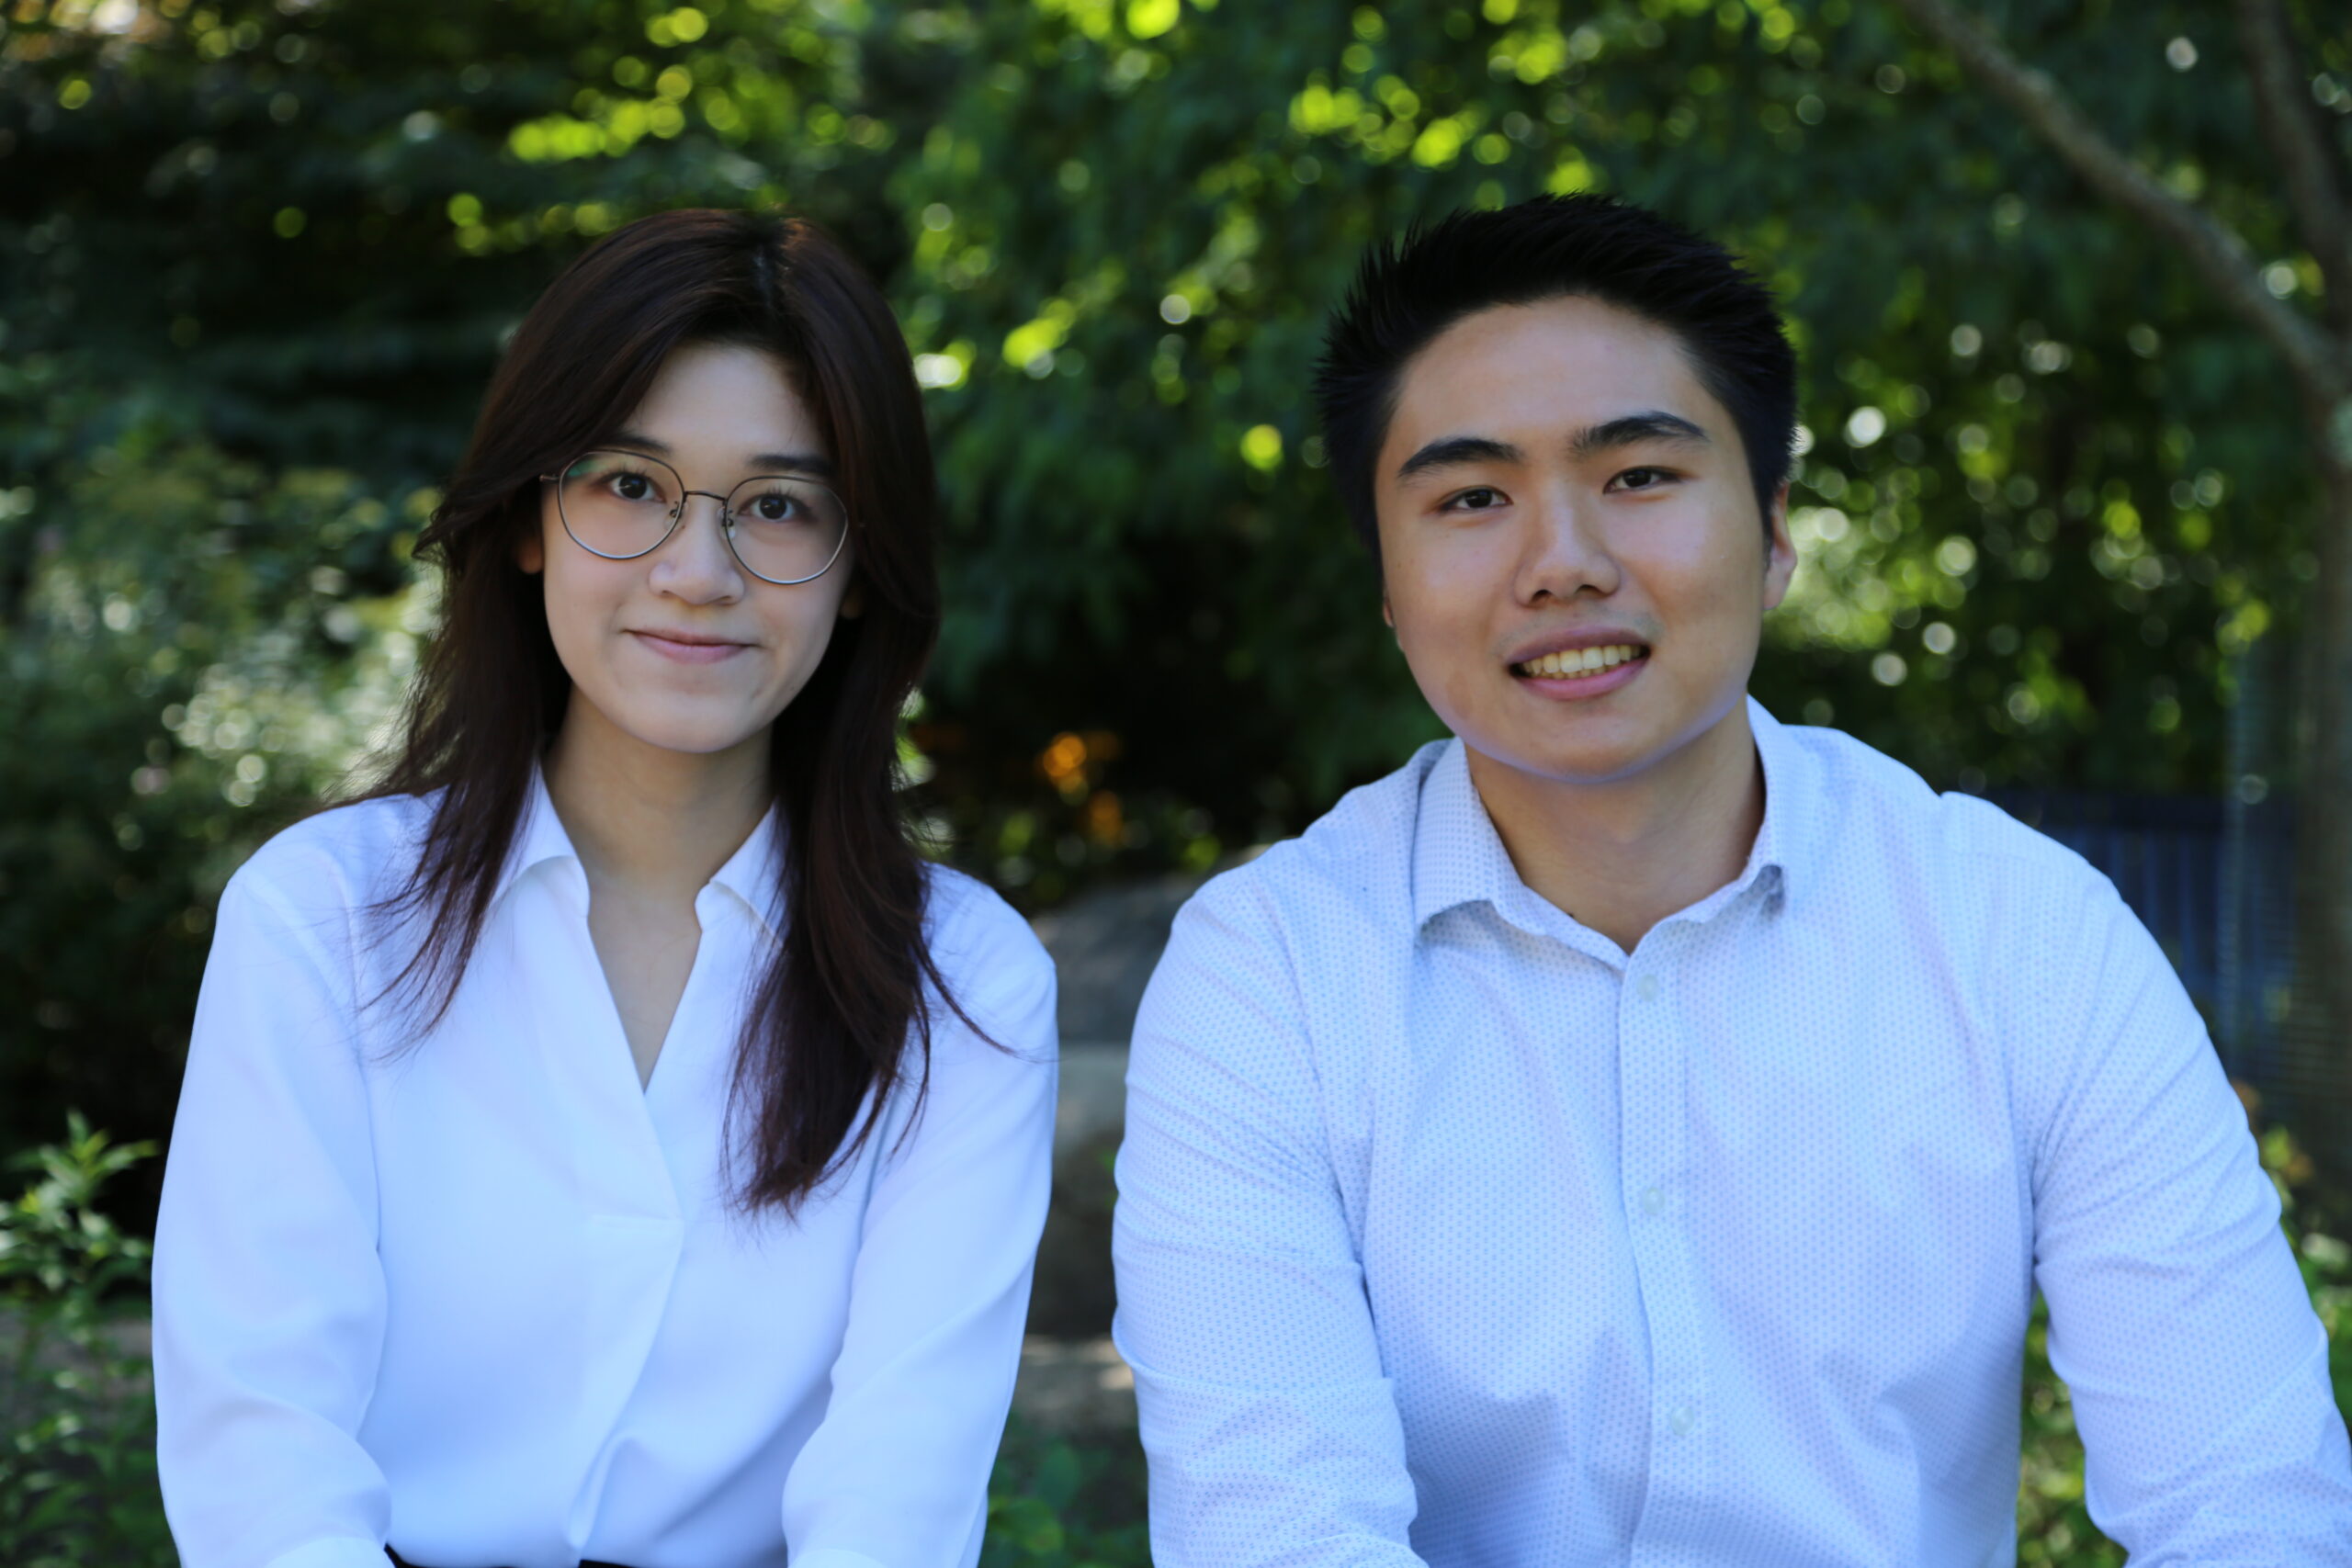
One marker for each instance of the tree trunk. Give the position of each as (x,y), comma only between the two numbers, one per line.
(2324,827)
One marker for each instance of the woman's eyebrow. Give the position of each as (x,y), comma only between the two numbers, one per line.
(809,463)
(631,438)
(793,463)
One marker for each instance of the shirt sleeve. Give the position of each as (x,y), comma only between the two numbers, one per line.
(1271,1435)
(895,1475)
(2178,1318)
(268,1296)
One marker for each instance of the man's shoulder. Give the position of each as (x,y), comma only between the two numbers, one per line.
(1870,801)
(1355,860)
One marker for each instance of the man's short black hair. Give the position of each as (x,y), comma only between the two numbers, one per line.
(1409,290)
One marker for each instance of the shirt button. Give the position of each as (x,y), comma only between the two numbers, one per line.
(1653,1201)
(1681,1419)
(1647,987)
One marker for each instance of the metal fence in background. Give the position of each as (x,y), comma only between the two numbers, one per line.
(2215,882)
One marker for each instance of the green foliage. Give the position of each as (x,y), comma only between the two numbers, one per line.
(77,1435)
(1987,379)
(255,261)
(210,645)
(1055,1504)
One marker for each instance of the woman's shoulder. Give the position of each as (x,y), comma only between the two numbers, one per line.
(965,921)
(990,962)
(345,856)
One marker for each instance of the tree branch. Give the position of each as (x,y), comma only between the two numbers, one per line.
(2213,250)
(2282,107)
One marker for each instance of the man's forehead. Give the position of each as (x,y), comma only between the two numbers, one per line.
(1562,366)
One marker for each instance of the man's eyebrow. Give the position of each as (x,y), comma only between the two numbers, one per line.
(1651,425)
(1449,451)
(808,463)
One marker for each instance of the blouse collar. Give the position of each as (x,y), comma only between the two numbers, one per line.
(752,873)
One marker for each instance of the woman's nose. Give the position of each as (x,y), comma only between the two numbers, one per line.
(697,562)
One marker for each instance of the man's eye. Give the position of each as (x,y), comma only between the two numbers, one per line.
(1478,499)
(1640,478)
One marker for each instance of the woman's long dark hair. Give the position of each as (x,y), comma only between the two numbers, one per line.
(838,1011)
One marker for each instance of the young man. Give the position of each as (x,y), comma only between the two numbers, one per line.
(1634,1130)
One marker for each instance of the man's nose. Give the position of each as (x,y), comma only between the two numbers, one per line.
(1565,550)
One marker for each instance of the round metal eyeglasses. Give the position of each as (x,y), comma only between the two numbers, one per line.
(783,528)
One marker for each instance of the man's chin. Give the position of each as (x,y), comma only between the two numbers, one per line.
(1588,761)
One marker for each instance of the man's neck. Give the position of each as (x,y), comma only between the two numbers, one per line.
(656,822)
(1619,857)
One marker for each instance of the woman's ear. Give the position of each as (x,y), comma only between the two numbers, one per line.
(853,601)
(531,553)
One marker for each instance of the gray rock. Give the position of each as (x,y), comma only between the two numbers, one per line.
(1072,1297)
(1104,945)
(1074,1387)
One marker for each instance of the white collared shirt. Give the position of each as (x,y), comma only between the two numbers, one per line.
(1451,1233)
(488,1298)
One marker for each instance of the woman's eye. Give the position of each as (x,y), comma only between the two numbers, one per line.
(772,508)
(633,487)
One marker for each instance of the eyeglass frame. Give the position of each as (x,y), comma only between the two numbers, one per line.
(678,512)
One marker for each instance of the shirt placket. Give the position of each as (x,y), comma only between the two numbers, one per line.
(632,1226)
(1652,1069)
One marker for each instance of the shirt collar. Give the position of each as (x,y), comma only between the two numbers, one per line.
(1795,808)
(755,874)
(1458,858)
(539,839)
(751,874)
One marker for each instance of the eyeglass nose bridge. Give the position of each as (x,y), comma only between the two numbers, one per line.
(726,510)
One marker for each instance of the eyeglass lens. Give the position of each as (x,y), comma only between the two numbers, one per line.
(621,504)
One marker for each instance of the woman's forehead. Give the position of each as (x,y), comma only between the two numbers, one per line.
(727,403)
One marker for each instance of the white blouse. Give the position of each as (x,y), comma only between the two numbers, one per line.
(488,1299)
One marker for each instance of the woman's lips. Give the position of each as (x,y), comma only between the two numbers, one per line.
(689,651)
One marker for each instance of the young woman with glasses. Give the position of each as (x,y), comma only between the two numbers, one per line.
(608,1139)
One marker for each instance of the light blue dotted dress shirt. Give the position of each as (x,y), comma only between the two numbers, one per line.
(1451,1233)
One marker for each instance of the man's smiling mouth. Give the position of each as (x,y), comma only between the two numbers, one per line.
(1575,662)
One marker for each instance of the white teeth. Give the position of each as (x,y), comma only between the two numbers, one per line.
(1581,660)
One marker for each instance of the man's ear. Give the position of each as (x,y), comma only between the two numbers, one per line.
(1387,611)
(1780,550)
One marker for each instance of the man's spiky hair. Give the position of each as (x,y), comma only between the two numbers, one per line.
(1409,290)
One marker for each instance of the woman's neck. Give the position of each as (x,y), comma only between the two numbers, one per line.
(656,822)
